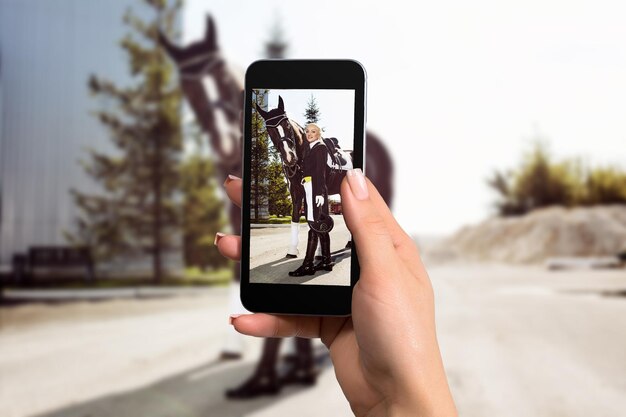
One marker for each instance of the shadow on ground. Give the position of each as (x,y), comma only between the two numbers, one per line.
(196,392)
(277,272)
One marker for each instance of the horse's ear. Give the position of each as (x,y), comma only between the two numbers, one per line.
(259,110)
(281,104)
(210,37)
(173,51)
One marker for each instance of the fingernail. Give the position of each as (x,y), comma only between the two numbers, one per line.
(230,178)
(357,183)
(218,236)
(232,317)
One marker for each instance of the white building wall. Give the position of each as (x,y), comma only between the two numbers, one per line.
(48,51)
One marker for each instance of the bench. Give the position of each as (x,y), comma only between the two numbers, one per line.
(53,262)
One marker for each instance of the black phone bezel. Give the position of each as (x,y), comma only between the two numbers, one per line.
(330,300)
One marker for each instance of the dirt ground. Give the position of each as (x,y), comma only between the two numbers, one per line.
(516,341)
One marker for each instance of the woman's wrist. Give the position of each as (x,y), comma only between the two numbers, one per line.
(436,402)
(423,391)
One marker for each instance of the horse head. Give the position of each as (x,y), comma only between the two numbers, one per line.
(283,133)
(198,58)
(200,68)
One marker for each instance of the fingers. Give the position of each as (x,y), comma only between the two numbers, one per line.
(402,242)
(233,186)
(229,246)
(365,197)
(369,228)
(266,325)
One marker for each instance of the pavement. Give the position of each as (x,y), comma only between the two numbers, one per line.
(268,247)
(15,295)
(516,341)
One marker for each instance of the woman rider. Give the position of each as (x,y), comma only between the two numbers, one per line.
(315,169)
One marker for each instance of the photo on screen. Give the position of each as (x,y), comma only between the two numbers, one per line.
(302,142)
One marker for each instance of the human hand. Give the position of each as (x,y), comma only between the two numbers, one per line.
(319,200)
(386,355)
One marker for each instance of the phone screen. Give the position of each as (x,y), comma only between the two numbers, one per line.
(302,143)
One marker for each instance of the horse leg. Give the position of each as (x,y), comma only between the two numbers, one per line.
(293,252)
(302,370)
(264,380)
(318,253)
(295,224)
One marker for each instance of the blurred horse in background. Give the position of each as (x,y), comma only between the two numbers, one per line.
(215,95)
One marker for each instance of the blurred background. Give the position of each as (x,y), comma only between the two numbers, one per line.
(504,122)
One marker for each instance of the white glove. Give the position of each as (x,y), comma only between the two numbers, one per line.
(319,200)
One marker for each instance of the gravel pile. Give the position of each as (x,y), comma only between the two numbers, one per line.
(537,236)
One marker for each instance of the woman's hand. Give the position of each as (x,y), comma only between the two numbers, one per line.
(386,355)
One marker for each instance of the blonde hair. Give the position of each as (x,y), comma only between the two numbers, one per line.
(319,131)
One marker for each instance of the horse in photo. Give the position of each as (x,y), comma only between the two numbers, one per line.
(288,138)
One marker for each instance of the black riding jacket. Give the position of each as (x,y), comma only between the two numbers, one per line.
(316,167)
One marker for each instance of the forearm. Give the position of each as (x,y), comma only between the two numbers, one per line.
(425,392)
(417,388)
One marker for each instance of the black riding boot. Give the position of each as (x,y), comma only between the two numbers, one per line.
(307,267)
(327,263)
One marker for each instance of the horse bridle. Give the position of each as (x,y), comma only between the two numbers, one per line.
(290,172)
(212,59)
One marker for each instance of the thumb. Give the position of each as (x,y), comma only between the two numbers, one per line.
(368,225)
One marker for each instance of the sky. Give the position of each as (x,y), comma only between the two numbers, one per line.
(456,89)
(336,111)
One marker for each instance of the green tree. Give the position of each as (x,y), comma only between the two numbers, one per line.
(259,160)
(605,185)
(137,211)
(279,198)
(312,111)
(276,47)
(539,181)
(203,213)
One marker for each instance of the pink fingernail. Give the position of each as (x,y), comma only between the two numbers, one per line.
(218,236)
(232,317)
(357,183)
(231,178)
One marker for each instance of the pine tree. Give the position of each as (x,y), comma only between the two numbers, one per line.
(276,47)
(203,212)
(259,156)
(279,199)
(312,112)
(137,211)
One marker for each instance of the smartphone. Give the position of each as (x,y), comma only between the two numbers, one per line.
(304,129)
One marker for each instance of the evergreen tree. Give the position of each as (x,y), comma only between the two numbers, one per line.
(276,47)
(312,112)
(136,212)
(279,197)
(259,155)
(203,212)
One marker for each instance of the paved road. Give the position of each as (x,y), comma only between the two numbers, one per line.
(268,247)
(528,342)
(516,342)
